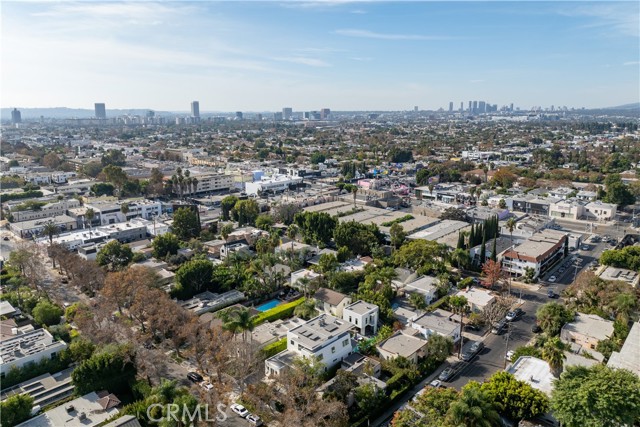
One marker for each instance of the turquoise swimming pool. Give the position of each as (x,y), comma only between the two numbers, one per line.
(268,305)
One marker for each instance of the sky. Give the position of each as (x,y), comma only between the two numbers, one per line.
(342,55)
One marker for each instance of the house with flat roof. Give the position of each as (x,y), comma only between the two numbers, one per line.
(629,355)
(400,345)
(621,274)
(477,298)
(599,211)
(208,301)
(539,252)
(439,322)
(331,302)
(324,338)
(533,371)
(7,310)
(44,389)
(364,315)
(28,348)
(427,286)
(89,410)
(124,421)
(586,331)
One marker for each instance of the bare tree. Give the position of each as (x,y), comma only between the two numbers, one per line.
(495,312)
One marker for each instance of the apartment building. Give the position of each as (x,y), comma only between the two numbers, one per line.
(539,252)
(47,211)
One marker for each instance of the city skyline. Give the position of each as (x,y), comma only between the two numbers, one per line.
(253,56)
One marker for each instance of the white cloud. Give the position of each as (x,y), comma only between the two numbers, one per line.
(362,58)
(623,17)
(632,63)
(384,36)
(312,62)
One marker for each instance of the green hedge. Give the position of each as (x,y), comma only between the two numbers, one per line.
(442,301)
(18,196)
(396,381)
(397,220)
(278,312)
(274,348)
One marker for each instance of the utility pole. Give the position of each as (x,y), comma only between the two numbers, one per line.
(506,349)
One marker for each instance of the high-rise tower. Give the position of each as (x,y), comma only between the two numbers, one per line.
(100,110)
(195,109)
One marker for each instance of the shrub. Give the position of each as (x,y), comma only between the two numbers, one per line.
(397,220)
(274,348)
(278,312)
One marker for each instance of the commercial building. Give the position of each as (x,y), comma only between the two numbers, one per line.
(49,210)
(195,109)
(599,211)
(100,111)
(539,252)
(324,338)
(274,184)
(26,348)
(34,228)
(287,113)
(16,116)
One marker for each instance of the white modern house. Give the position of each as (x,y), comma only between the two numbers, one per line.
(324,338)
(364,315)
(439,322)
(26,348)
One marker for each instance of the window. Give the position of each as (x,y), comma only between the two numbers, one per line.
(333,349)
(291,342)
(320,356)
(345,342)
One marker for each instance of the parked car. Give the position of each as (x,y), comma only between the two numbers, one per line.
(194,377)
(585,248)
(510,354)
(473,350)
(447,374)
(5,238)
(552,279)
(498,328)
(436,384)
(207,386)
(561,270)
(536,328)
(552,294)
(513,315)
(254,420)
(472,327)
(240,410)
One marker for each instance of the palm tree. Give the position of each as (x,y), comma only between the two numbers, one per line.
(472,192)
(485,169)
(458,305)
(553,353)
(473,409)
(292,232)
(306,310)
(624,305)
(50,229)
(461,258)
(354,190)
(89,215)
(511,225)
(239,321)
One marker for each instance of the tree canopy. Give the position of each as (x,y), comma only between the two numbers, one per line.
(186,224)
(114,256)
(47,313)
(361,239)
(193,277)
(597,396)
(517,399)
(165,244)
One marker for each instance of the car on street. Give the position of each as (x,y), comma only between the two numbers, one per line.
(585,247)
(194,377)
(513,315)
(435,384)
(254,420)
(447,374)
(240,410)
(552,294)
(498,328)
(5,238)
(561,270)
(473,350)
(510,354)
(552,279)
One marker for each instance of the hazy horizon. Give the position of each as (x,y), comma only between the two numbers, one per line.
(347,56)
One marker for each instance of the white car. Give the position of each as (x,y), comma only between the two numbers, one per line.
(510,354)
(552,279)
(254,420)
(207,386)
(240,410)
(435,383)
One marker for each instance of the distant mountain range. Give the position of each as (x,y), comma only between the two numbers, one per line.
(76,113)
(83,113)
(632,106)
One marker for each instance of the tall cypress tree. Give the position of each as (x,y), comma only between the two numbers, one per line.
(460,240)
(483,251)
(493,251)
